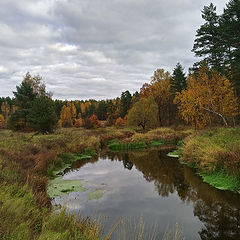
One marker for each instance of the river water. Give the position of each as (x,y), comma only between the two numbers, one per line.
(149,187)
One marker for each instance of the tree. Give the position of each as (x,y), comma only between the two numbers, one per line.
(160,90)
(37,84)
(66,117)
(79,123)
(178,79)
(230,33)
(208,42)
(42,117)
(126,98)
(2,121)
(120,122)
(5,108)
(144,113)
(208,98)
(24,99)
(145,90)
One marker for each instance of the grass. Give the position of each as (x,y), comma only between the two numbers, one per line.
(216,155)
(115,146)
(222,180)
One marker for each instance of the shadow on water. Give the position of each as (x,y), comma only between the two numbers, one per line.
(214,214)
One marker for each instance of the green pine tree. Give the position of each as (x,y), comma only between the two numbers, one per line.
(178,80)
(208,42)
(230,33)
(24,98)
(42,117)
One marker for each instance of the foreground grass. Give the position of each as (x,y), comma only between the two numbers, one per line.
(216,155)
(27,164)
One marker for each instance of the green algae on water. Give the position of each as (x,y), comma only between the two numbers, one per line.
(95,194)
(59,187)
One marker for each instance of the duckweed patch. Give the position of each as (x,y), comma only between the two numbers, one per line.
(59,187)
(95,194)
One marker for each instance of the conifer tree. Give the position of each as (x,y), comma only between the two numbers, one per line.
(178,79)
(208,42)
(42,117)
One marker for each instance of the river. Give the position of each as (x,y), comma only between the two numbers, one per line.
(147,186)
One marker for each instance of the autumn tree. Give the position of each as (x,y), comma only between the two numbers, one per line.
(120,122)
(79,123)
(37,84)
(208,98)
(145,90)
(160,90)
(66,117)
(2,121)
(5,108)
(144,114)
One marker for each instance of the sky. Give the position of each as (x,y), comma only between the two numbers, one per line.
(95,49)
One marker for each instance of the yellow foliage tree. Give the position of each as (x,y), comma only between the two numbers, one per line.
(160,90)
(79,123)
(2,121)
(208,99)
(6,110)
(144,114)
(66,117)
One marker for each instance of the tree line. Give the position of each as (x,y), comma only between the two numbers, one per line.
(207,96)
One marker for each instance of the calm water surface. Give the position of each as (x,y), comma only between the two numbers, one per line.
(151,186)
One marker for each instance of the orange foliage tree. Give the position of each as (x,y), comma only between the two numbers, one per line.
(79,123)
(120,122)
(208,98)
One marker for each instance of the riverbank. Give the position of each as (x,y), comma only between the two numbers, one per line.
(216,156)
(26,165)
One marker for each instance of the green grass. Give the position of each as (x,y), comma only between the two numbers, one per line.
(222,180)
(157,143)
(115,146)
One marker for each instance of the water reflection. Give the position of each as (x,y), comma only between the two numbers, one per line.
(218,211)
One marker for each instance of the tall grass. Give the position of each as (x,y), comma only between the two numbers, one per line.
(216,154)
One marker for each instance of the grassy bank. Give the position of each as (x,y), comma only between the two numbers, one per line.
(154,138)
(216,156)
(28,163)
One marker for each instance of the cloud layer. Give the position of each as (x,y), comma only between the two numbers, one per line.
(94,48)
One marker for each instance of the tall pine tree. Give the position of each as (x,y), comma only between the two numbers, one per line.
(208,42)
(230,33)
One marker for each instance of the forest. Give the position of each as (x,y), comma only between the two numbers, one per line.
(196,111)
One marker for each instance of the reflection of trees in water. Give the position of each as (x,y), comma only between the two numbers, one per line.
(219,211)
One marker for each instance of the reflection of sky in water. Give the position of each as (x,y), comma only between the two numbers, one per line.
(171,194)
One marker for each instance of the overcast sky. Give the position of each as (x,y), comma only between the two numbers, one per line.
(95,48)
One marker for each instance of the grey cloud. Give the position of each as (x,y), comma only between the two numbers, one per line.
(95,49)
